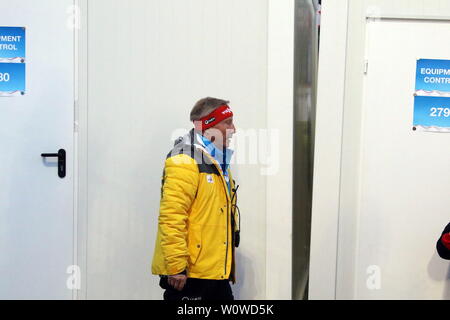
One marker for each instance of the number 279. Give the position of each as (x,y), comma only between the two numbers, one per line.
(439,112)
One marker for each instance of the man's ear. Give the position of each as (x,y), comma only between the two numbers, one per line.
(209,134)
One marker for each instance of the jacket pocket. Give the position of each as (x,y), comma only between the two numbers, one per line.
(194,243)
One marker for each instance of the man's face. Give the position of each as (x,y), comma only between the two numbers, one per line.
(222,133)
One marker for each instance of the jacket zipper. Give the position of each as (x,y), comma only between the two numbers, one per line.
(226,253)
(226,191)
(226,216)
(228,226)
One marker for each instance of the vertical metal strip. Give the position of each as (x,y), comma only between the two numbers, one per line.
(305,92)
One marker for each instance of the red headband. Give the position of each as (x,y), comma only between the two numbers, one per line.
(222,113)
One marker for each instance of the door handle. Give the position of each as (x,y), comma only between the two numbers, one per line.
(61,155)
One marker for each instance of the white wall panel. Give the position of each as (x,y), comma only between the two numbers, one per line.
(149,62)
(280,114)
(328,151)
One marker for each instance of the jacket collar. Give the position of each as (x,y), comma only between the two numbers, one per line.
(223,157)
(197,140)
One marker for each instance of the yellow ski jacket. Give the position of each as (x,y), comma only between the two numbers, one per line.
(197,216)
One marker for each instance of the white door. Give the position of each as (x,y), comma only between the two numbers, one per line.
(404,185)
(36,205)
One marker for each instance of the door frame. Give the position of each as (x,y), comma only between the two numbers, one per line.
(340,94)
(81,137)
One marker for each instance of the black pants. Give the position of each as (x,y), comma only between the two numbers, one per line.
(198,289)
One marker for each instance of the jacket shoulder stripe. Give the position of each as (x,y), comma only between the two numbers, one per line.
(205,165)
(208,168)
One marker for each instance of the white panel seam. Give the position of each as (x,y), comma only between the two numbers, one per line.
(341,155)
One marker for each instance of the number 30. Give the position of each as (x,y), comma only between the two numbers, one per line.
(4,77)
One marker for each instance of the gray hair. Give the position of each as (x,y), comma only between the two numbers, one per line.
(205,106)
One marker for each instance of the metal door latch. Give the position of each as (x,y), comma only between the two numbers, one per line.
(61,155)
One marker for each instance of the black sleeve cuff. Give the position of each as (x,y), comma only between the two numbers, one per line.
(442,250)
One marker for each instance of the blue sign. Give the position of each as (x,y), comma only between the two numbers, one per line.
(432,112)
(12,61)
(433,75)
(12,77)
(432,97)
(12,44)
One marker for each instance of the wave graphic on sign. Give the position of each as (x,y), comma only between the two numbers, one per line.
(432,129)
(424,93)
(10,94)
(12,60)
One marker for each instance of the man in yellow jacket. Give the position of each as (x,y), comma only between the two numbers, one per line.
(198,227)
